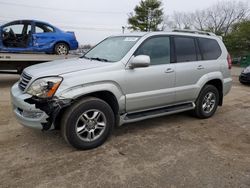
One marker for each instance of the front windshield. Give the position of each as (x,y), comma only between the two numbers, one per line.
(112,49)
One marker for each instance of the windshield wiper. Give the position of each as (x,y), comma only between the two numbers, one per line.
(98,59)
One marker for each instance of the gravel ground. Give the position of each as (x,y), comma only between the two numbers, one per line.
(171,151)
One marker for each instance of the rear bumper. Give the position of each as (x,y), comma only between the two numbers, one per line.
(73,45)
(227,85)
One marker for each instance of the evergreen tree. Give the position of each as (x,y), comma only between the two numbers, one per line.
(147,17)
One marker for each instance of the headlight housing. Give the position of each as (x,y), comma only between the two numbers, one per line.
(44,87)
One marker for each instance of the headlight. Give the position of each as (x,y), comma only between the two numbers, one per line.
(246,70)
(44,87)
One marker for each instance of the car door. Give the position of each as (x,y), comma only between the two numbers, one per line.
(187,68)
(43,36)
(152,86)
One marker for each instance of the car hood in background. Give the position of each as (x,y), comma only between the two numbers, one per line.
(59,67)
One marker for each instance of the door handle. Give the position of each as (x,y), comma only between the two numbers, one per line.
(200,67)
(169,70)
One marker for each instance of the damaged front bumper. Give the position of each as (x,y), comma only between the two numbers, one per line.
(35,113)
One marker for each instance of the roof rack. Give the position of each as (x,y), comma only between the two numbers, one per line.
(194,32)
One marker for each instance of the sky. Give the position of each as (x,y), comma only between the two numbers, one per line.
(91,20)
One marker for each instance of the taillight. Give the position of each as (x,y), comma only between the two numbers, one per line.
(229,61)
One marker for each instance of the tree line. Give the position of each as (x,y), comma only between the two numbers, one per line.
(229,19)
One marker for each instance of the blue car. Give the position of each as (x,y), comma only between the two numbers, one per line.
(35,36)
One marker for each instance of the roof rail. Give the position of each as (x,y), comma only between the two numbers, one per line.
(194,31)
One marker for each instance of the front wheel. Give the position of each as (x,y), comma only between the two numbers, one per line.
(207,102)
(88,123)
(61,49)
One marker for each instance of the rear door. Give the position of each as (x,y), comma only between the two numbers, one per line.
(187,68)
(43,36)
(152,86)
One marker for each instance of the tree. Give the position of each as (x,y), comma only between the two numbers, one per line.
(238,41)
(218,18)
(147,17)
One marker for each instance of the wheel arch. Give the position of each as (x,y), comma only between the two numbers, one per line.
(104,95)
(219,85)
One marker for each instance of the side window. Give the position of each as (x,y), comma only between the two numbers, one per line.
(209,48)
(39,30)
(157,48)
(185,49)
(43,28)
(17,28)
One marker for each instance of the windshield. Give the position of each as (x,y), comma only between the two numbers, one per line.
(112,49)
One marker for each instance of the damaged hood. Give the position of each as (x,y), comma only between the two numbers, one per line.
(64,66)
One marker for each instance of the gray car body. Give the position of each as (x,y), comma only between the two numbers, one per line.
(135,90)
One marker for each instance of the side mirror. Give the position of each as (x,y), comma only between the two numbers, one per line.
(140,61)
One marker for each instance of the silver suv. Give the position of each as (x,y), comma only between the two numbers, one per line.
(124,79)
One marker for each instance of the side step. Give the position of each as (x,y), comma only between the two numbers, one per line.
(138,116)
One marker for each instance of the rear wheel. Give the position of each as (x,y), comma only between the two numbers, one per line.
(88,123)
(207,102)
(61,49)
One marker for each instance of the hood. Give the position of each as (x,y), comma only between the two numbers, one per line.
(64,66)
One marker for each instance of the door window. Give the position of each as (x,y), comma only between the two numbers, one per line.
(157,48)
(185,49)
(43,28)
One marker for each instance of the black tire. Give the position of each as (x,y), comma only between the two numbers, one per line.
(199,110)
(71,117)
(61,48)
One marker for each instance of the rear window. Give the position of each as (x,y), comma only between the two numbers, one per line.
(210,48)
(185,49)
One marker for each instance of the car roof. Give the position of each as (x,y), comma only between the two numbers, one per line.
(25,21)
(192,33)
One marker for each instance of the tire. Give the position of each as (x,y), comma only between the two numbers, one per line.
(208,98)
(61,48)
(81,130)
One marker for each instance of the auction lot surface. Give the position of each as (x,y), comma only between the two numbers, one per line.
(171,151)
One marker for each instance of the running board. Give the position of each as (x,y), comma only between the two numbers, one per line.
(138,116)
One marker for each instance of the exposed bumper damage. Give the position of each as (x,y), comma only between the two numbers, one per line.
(51,107)
(34,112)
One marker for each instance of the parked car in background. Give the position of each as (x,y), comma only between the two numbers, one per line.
(36,36)
(245,76)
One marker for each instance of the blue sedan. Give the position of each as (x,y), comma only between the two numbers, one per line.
(35,36)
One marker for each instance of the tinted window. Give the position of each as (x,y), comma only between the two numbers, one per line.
(157,48)
(185,49)
(210,48)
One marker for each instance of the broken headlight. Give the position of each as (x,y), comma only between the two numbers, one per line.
(44,87)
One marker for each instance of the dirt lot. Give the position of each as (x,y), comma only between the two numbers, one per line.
(172,151)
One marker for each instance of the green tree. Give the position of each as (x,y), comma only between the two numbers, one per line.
(238,40)
(147,17)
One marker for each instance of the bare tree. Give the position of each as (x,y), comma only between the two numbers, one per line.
(218,18)
(224,14)
(199,19)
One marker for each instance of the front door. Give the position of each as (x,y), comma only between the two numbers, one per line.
(152,86)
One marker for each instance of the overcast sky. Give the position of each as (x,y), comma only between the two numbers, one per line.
(92,20)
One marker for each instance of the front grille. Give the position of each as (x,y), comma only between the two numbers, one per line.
(24,80)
